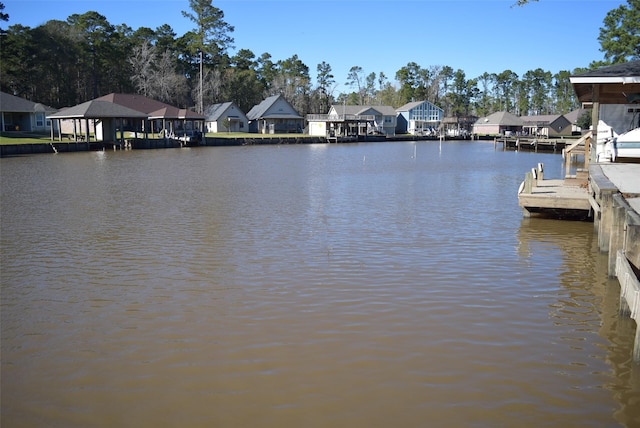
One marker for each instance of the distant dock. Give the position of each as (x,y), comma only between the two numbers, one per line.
(533,144)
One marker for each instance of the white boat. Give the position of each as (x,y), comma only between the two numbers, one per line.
(626,145)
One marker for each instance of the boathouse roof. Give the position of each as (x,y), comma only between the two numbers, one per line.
(135,102)
(153,108)
(97,109)
(617,84)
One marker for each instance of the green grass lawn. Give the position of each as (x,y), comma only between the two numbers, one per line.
(23,138)
(31,138)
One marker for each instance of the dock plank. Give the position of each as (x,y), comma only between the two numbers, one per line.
(556,194)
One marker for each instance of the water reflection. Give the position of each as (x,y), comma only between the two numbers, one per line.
(587,301)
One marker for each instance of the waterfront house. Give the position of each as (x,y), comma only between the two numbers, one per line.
(418,118)
(353,120)
(275,115)
(162,117)
(458,126)
(97,117)
(498,123)
(19,114)
(574,117)
(103,116)
(225,117)
(380,119)
(550,125)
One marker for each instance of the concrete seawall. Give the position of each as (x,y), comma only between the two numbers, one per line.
(141,144)
(149,144)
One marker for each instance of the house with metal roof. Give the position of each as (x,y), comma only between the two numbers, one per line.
(418,118)
(225,117)
(498,123)
(275,115)
(19,114)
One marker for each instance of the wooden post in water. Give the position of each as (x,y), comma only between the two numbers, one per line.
(629,297)
(540,172)
(528,182)
(616,240)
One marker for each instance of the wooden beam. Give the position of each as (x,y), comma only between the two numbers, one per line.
(595,118)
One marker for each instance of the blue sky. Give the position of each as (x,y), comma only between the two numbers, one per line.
(377,35)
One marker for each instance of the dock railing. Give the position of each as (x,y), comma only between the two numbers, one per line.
(573,151)
(341,117)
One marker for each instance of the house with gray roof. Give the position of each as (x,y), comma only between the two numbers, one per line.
(19,114)
(225,117)
(498,123)
(353,120)
(383,118)
(98,117)
(418,118)
(102,117)
(548,125)
(275,115)
(574,117)
(161,116)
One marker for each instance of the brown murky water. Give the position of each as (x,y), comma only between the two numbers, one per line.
(365,285)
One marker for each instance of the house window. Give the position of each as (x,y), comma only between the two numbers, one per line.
(241,125)
(39,120)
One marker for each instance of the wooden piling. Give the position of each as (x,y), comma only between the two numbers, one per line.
(629,297)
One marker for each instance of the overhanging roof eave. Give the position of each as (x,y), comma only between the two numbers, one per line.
(604,80)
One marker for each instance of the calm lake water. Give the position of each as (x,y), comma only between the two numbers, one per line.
(358,285)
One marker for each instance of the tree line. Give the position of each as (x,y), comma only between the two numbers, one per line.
(63,63)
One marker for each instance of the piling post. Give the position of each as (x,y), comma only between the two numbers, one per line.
(636,345)
(604,227)
(528,182)
(616,240)
(540,171)
(629,297)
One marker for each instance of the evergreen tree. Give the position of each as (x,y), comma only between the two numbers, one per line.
(210,38)
(620,36)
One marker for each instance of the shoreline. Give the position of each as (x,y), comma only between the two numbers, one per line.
(8,150)
(52,147)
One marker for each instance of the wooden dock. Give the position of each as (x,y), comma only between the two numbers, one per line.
(562,199)
(534,144)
